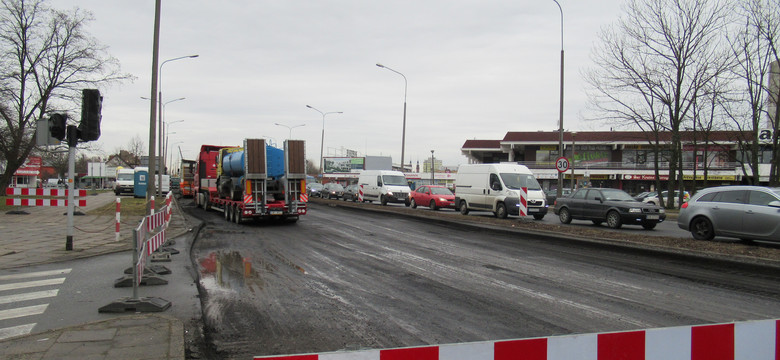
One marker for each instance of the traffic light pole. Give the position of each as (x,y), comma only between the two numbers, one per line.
(72,136)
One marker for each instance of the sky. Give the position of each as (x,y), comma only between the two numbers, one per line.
(474,70)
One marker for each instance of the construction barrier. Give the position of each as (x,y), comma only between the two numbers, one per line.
(522,205)
(750,340)
(148,236)
(42,192)
(118,216)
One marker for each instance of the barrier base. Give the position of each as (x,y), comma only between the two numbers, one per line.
(146,304)
(17,212)
(127,281)
(169,250)
(161,256)
(151,270)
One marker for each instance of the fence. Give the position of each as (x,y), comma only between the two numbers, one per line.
(148,236)
(31,202)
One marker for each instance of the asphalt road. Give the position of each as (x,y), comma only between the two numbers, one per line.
(351,279)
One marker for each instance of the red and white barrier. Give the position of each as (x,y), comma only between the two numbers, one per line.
(118,217)
(42,202)
(523,203)
(750,340)
(360,193)
(42,192)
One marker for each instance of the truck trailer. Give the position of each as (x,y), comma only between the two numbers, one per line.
(255,181)
(187,175)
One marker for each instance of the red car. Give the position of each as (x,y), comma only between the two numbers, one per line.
(432,196)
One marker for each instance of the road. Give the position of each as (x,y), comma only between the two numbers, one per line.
(349,279)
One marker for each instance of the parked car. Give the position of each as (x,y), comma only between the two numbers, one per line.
(552,194)
(744,212)
(613,206)
(333,191)
(432,196)
(314,189)
(653,198)
(643,195)
(351,192)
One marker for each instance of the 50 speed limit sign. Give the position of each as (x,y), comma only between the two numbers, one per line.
(562,164)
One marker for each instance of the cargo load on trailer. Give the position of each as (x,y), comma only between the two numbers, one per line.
(254,181)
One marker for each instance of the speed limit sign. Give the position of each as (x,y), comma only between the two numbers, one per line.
(562,164)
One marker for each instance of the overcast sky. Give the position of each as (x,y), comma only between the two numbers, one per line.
(475,70)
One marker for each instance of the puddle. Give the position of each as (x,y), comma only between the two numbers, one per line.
(227,270)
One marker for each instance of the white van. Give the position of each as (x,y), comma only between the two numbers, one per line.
(496,188)
(125,180)
(384,186)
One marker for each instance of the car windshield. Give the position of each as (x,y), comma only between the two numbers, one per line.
(316,186)
(616,195)
(337,187)
(125,177)
(394,180)
(440,191)
(519,181)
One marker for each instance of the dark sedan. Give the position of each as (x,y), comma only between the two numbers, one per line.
(613,206)
(351,192)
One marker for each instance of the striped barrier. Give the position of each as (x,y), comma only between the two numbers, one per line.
(360,193)
(42,192)
(522,205)
(118,216)
(750,340)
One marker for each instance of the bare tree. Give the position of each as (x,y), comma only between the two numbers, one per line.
(662,52)
(47,59)
(131,152)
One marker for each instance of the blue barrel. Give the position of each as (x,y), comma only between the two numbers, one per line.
(233,164)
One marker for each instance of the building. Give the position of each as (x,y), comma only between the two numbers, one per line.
(618,159)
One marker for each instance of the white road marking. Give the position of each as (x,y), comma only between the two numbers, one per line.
(34,274)
(28,296)
(13,331)
(29,284)
(23,311)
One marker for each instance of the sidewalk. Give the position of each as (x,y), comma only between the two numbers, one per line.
(39,238)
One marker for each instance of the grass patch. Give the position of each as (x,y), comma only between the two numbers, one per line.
(130,206)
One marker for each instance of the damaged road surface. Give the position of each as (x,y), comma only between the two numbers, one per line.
(346,279)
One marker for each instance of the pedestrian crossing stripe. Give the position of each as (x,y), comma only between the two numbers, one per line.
(34,274)
(23,311)
(14,331)
(28,296)
(29,284)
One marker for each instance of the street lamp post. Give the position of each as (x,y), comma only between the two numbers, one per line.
(322,143)
(163,135)
(560,110)
(290,128)
(165,148)
(571,163)
(403,133)
(432,178)
(160,111)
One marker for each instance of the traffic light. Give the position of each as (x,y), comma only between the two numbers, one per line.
(91,105)
(57,124)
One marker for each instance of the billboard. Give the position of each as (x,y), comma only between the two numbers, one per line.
(335,165)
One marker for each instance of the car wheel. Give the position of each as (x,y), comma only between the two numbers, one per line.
(613,220)
(701,229)
(649,225)
(413,204)
(538,216)
(564,215)
(464,209)
(597,222)
(433,205)
(501,211)
(383,200)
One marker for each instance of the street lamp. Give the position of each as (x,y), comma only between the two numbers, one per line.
(560,110)
(290,128)
(403,134)
(322,144)
(160,111)
(165,148)
(431,167)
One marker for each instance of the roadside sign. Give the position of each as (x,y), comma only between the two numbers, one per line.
(562,164)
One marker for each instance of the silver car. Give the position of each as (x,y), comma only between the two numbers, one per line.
(744,212)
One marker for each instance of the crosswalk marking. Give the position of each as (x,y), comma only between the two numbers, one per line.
(20,290)
(10,332)
(22,311)
(28,296)
(30,284)
(34,274)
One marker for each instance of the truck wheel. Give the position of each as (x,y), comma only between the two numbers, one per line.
(383,200)
(501,211)
(206,204)
(237,215)
(227,213)
(464,209)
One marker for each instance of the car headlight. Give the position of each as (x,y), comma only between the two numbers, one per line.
(442,199)
(390,193)
(661,210)
(634,210)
